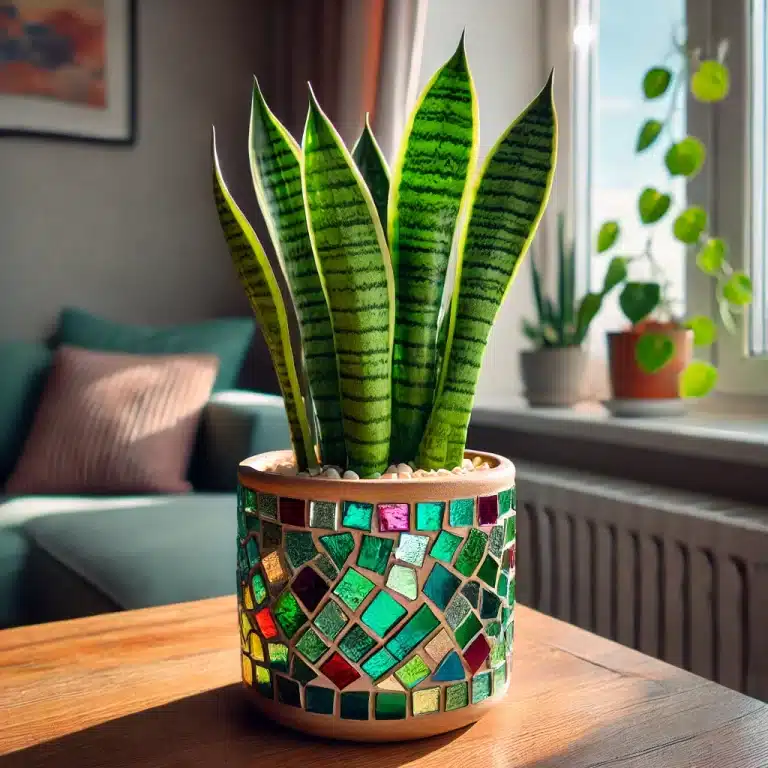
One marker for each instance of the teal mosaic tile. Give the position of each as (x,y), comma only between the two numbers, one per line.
(481,687)
(382,613)
(429,515)
(418,627)
(374,553)
(441,585)
(319,700)
(445,546)
(378,664)
(357,515)
(252,551)
(354,705)
(288,691)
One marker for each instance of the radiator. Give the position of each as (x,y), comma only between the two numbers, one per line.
(678,576)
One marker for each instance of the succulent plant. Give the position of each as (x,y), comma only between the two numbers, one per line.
(390,357)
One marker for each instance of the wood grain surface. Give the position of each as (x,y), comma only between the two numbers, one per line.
(160,687)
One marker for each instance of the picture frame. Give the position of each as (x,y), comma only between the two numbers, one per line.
(68,70)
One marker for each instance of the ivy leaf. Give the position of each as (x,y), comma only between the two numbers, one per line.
(656,82)
(711,257)
(649,132)
(690,224)
(710,82)
(698,379)
(704,330)
(653,351)
(589,307)
(686,157)
(652,205)
(738,289)
(638,300)
(616,273)
(608,235)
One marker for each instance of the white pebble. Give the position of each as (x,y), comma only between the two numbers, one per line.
(350,475)
(390,469)
(420,473)
(467,463)
(484,465)
(456,471)
(332,474)
(315,471)
(432,471)
(405,475)
(443,471)
(477,461)
(404,468)
(302,474)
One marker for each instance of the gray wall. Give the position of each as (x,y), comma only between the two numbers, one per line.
(131,232)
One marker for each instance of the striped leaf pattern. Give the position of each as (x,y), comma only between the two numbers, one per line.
(276,171)
(508,201)
(256,276)
(373,168)
(438,152)
(356,272)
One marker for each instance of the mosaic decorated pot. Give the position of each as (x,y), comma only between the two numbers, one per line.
(376,610)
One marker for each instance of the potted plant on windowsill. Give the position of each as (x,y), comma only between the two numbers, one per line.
(376,575)
(652,360)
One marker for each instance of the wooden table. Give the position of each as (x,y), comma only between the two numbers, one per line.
(160,687)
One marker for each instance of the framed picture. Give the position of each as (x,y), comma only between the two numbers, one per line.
(67,69)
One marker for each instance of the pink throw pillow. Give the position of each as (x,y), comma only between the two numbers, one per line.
(115,423)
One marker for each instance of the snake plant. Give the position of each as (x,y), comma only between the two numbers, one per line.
(390,361)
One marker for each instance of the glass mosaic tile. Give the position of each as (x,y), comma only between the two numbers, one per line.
(242,558)
(326,567)
(498,652)
(247,599)
(509,635)
(340,546)
(292,511)
(501,586)
(489,607)
(481,687)
(253,524)
(354,705)
(440,586)
(323,514)
(476,653)
(319,700)
(256,647)
(278,656)
(268,506)
(394,517)
(513,497)
(339,671)
(505,501)
(439,646)
(309,587)
(471,590)
(467,630)
(510,528)
(403,580)
(288,691)
(289,614)
(271,535)
(511,592)
(266,623)
(311,645)
(412,673)
(493,629)
(457,611)
(419,626)
(273,569)
(496,540)
(374,553)
(379,663)
(301,671)
(456,697)
(461,513)
(429,515)
(242,531)
(445,546)
(412,549)
(353,588)
(390,706)
(426,701)
(382,613)
(390,684)
(472,552)
(511,551)
(506,615)
(357,515)
(331,620)
(264,681)
(356,643)
(499,678)
(299,548)
(245,626)
(450,669)
(247,670)
(252,551)
(487,510)
(249,501)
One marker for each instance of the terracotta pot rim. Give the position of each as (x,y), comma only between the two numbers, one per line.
(641,331)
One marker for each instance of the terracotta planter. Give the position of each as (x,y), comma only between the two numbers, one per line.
(553,377)
(376,610)
(629,381)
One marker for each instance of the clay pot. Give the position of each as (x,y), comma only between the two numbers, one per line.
(553,377)
(629,381)
(354,618)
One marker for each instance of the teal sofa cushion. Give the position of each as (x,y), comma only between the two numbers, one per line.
(227,338)
(23,370)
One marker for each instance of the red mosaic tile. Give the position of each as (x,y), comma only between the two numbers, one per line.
(339,671)
(266,623)
(292,512)
(487,510)
(309,587)
(508,557)
(477,652)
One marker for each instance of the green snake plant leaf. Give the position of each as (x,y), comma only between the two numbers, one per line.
(356,272)
(276,171)
(429,183)
(507,202)
(258,280)
(374,169)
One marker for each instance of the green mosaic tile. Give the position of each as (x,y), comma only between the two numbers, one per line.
(242,558)
(489,607)
(299,548)
(456,696)
(501,587)
(506,614)
(511,592)
(374,553)
(440,586)
(509,636)
(461,513)
(323,514)
(311,645)
(493,629)
(301,672)
(481,687)
(326,567)
(510,528)
(331,620)
(412,673)
(378,664)
(356,643)
(496,540)
(488,571)
(357,515)
(252,551)
(429,515)
(419,626)
(263,681)
(268,506)
(457,611)
(467,630)
(505,501)
(289,614)
(390,706)
(288,691)
(319,699)
(403,580)
(472,552)
(498,652)
(471,590)
(382,613)
(499,678)
(353,588)
(339,546)
(445,546)
(249,501)
(242,531)
(253,524)
(354,705)
(271,535)
(412,549)
(278,656)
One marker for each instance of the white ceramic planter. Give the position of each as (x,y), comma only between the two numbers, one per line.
(553,378)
